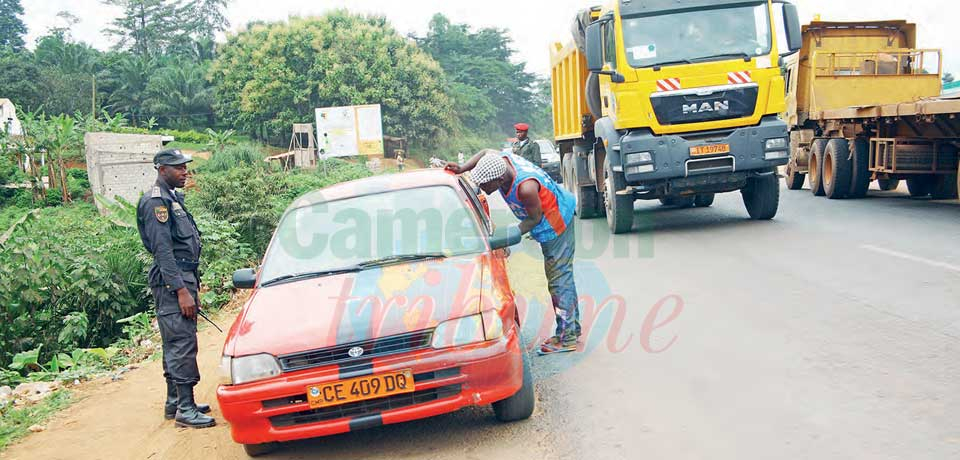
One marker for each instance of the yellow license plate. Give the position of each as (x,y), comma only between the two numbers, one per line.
(360,389)
(713,149)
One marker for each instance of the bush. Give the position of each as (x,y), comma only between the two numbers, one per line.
(190,137)
(234,156)
(223,253)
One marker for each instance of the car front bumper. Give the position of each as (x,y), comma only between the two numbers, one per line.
(445,381)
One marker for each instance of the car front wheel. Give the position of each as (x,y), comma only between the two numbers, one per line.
(520,405)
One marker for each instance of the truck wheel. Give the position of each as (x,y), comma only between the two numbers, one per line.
(860,176)
(920,186)
(704,200)
(588,206)
(794,179)
(837,169)
(817,149)
(520,405)
(619,207)
(945,186)
(256,450)
(761,196)
(888,184)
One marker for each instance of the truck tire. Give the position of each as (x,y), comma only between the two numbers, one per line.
(817,150)
(888,184)
(704,200)
(945,185)
(761,196)
(837,169)
(681,202)
(860,176)
(619,207)
(794,179)
(588,202)
(920,186)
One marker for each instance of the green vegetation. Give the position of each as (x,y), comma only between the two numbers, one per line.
(15,422)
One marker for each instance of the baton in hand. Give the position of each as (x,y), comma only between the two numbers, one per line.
(204,315)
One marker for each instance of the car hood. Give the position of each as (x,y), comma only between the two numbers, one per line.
(335,310)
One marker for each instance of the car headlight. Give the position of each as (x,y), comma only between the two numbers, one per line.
(779,143)
(469,329)
(247,369)
(642,157)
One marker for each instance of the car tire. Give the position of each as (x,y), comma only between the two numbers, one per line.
(704,200)
(888,184)
(761,197)
(256,450)
(860,176)
(519,406)
(817,150)
(837,169)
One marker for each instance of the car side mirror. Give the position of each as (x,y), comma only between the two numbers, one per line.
(245,278)
(505,237)
(594,48)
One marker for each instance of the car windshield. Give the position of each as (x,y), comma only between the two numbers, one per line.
(697,36)
(367,231)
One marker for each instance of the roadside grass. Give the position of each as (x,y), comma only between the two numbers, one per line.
(197,147)
(15,422)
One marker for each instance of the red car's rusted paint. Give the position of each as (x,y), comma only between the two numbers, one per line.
(304,316)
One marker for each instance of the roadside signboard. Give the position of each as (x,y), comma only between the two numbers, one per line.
(350,131)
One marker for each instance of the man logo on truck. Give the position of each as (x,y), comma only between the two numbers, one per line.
(718,106)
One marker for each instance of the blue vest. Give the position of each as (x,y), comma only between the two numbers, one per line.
(557,203)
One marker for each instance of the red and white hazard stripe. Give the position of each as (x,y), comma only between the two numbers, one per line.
(669,84)
(739,78)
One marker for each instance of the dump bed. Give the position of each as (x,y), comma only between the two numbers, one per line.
(848,65)
(568,67)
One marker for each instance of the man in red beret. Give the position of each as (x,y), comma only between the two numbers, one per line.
(524,147)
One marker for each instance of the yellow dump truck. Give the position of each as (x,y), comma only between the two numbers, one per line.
(864,105)
(675,100)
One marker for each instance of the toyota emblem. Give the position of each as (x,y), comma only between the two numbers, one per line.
(355,352)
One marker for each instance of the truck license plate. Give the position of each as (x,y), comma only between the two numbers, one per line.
(360,389)
(712,149)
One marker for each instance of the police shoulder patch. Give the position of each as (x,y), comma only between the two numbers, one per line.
(162,214)
(155,193)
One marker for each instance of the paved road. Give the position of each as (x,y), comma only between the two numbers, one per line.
(832,332)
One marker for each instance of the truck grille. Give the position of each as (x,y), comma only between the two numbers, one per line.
(361,408)
(698,105)
(371,349)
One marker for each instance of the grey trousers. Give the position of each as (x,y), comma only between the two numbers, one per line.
(179,336)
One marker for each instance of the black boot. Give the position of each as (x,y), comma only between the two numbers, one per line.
(187,414)
(170,407)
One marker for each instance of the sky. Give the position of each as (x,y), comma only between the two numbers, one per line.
(533,25)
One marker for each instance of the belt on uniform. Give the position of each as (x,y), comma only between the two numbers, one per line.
(188,265)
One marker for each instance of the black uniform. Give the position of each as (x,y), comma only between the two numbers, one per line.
(169,232)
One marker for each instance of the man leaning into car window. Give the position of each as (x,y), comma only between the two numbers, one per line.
(545,211)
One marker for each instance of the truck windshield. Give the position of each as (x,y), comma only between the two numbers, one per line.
(704,35)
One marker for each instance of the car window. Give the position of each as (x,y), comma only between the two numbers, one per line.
(473,192)
(342,233)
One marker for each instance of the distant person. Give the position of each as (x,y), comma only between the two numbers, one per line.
(545,211)
(524,147)
(400,161)
(170,234)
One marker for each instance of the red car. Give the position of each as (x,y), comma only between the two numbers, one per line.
(379,301)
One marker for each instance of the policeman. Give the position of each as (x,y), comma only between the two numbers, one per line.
(524,147)
(169,232)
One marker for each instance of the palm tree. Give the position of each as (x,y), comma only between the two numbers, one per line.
(180,93)
(131,75)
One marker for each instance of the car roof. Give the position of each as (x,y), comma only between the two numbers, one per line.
(379,184)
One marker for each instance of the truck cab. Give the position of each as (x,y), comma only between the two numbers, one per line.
(674,100)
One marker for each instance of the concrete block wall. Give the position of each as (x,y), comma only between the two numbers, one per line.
(121,164)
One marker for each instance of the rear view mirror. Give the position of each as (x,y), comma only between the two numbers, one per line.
(245,278)
(791,24)
(594,48)
(505,237)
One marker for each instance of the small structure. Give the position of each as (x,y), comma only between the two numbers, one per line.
(303,145)
(393,145)
(121,164)
(9,122)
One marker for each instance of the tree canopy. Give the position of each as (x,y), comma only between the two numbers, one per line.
(272,75)
(12,28)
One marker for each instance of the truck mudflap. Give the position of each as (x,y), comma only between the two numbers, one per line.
(645,157)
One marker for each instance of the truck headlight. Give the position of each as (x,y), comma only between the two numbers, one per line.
(247,369)
(469,329)
(642,157)
(779,143)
